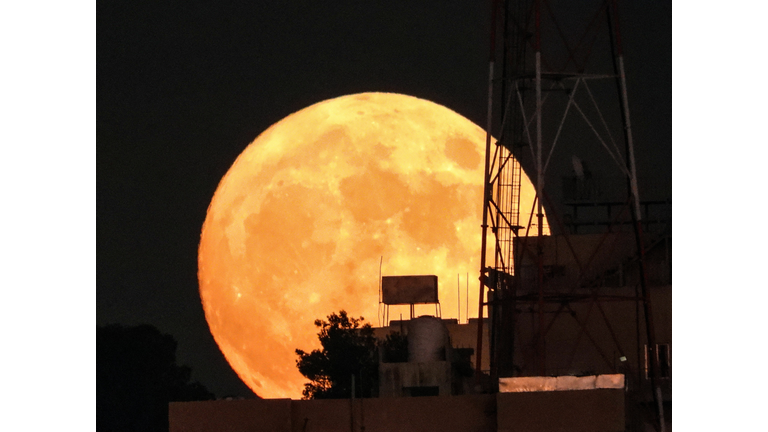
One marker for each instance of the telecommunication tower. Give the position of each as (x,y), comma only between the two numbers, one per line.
(556,84)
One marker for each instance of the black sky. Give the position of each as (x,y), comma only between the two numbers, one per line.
(184,86)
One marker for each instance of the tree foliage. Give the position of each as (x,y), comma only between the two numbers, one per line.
(348,348)
(136,377)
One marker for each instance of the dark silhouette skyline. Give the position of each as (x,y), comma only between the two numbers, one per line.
(137,376)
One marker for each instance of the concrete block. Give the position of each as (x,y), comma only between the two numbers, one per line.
(610,381)
(575,383)
(527,384)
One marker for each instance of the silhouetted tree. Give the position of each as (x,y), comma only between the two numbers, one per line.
(136,377)
(348,348)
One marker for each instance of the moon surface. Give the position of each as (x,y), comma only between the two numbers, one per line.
(302,221)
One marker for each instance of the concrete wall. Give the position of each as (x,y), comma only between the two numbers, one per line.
(453,413)
(474,413)
(599,410)
(579,410)
(321,415)
(394,377)
(571,351)
(603,252)
(231,416)
(465,336)
(462,336)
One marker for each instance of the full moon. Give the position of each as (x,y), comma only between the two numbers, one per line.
(321,202)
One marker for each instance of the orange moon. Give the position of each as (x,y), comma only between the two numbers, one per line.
(299,224)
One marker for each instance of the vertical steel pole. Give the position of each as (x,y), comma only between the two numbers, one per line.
(487,190)
(637,217)
(484,245)
(352,406)
(539,193)
(628,133)
(458,296)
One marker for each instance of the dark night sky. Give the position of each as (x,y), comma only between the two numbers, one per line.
(184,86)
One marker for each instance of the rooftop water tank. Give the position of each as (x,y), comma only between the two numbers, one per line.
(427,339)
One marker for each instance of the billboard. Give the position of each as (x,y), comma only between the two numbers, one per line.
(409,289)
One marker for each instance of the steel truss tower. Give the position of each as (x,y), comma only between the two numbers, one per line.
(555,76)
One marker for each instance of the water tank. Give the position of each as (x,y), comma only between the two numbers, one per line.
(427,339)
